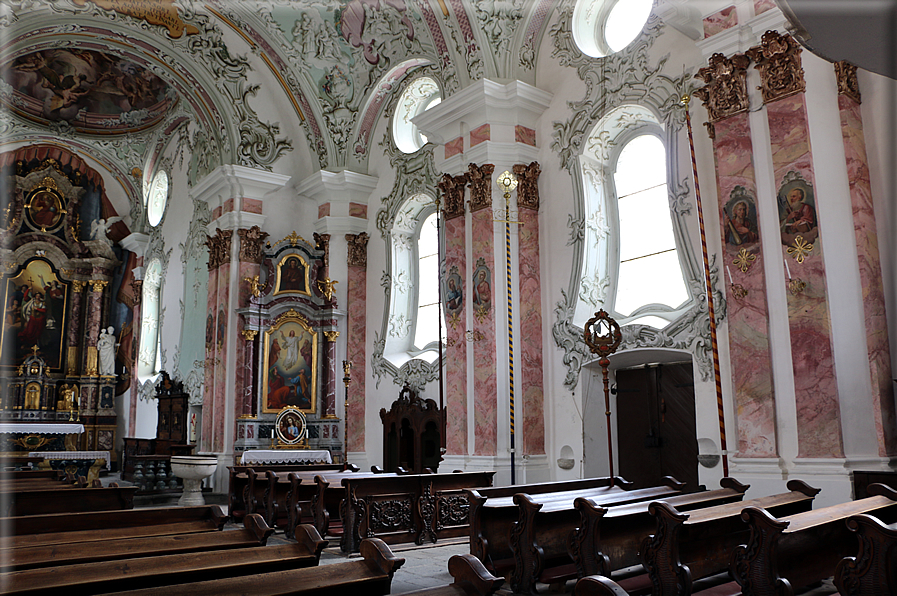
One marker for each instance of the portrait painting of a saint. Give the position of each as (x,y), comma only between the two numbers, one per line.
(34,309)
(797,210)
(291,356)
(292,275)
(454,292)
(740,219)
(44,210)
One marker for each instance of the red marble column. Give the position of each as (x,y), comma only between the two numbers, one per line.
(483,302)
(221,340)
(531,381)
(356,339)
(747,311)
(877,345)
(452,188)
(812,352)
(252,244)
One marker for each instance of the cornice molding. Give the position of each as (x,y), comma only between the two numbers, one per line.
(344,186)
(236,182)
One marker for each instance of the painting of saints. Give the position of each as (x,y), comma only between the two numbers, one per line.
(797,210)
(482,289)
(290,362)
(454,296)
(292,275)
(45,210)
(740,223)
(34,314)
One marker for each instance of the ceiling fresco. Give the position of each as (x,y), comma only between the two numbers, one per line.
(92,91)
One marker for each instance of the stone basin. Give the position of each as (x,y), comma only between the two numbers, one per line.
(192,469)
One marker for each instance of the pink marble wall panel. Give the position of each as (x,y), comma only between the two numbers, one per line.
(878,347)
(252,206)
(485,378)
(355,409)
(525,135)
(243,381)
(216,213)
(454,147)
(748,314)
(720,21)
(816,390)
(330,382)
(479,134)
(323,210)
(228,206)
(456,344)
(208,396)
(223,333)
(531,334)
(358,210)
(761,6)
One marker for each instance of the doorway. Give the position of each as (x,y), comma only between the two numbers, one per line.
(656,424)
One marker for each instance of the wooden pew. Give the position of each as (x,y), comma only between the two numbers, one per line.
(492,513)
(873,570)
(471,579)
(54,474)
(165,570)
(540,536)
(407,508)
(370,576)
(787,553)
(239,480)
(65,528)
(319,501)
(36,502)
(254,533)
(687,547)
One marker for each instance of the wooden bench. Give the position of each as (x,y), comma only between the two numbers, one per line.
(23,474)
(471,579)
(687,547)
(165,570)
(787,553)
(65,528)
(370,576)
(493,512)
(37,502)
(254,533)
(318,500)
(407,508)
(873,570)
(539,538)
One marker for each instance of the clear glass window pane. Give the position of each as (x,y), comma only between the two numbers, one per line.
(645,224)
(625,22)
(641,165)
(653,279)
(427,325)
(428,280)
(428,243)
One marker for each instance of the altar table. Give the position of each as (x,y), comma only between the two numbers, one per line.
(284,456)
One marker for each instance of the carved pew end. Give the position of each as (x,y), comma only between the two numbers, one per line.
(377,553)
(471,575)
(306,535)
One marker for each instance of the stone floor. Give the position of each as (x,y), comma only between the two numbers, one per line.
(425,566)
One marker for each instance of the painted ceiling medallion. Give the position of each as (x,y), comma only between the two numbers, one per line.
(92,91)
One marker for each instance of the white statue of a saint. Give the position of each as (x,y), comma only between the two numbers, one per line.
(100,227)
(106,349)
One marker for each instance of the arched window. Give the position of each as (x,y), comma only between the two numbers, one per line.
(148,363)
(412,331)
(604,27)
(631,265)
(420,95)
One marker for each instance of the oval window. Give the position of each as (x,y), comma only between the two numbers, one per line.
(604,27)
(421,95)
(157,198)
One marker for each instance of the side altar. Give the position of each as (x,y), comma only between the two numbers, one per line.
(290,327)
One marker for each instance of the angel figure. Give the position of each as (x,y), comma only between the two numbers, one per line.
(100,227)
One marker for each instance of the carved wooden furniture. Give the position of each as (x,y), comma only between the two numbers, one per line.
(165,570)
(254,533)
(492,512)
(687,547)
(369,576)
(539,537)
(237,502)
(37,502)
(414,508)
(326,501)
(872,570)
(412,433)
(784,554)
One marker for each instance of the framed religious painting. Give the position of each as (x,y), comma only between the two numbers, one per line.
(290,376)
(43,207)
(290,426)
(34,310)
(291,275)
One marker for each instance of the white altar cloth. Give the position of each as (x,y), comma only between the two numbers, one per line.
(284,456)
(73,455)
(41,427)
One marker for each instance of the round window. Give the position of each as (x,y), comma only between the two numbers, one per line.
(421,95)
(156,198)
(604,27)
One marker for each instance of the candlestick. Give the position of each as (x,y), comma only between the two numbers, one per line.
(787,269)
(729,271)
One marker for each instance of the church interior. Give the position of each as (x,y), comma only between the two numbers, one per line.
(549,239)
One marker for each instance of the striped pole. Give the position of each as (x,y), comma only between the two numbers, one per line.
(507,183)
(714,345)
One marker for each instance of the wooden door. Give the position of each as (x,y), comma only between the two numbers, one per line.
(656,424)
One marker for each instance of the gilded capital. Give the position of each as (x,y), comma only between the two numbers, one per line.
(252,244)
(848,84)
(528,185)
(480,180)
(725,93)
(97,285)
(778,60)
(452,188)
(358,249)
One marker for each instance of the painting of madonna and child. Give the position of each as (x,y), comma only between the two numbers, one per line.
(290,365)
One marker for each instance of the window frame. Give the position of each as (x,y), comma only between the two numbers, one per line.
(151,296)
(402,128)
